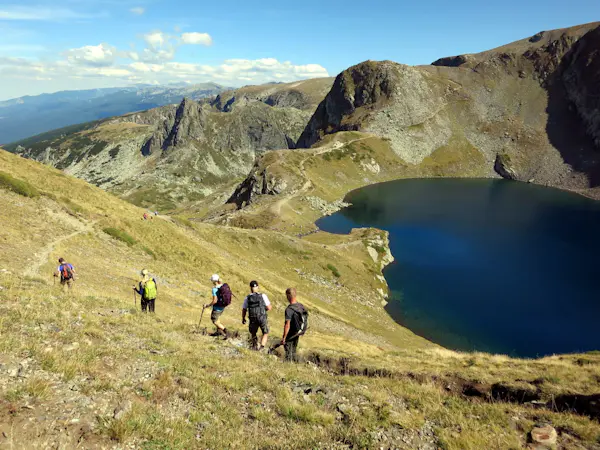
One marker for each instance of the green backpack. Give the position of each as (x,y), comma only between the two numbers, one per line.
(149,290)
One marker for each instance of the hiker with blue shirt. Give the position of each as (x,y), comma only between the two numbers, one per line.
(147,290)
(221,298)
(66,272)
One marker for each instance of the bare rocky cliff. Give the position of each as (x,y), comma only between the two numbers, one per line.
(527,111)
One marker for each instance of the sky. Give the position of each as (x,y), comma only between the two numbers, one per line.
(53,45)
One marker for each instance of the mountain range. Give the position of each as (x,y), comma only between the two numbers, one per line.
(30,115)
(526,111)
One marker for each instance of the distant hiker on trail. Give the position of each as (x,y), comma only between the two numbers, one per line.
(221,298)
(145,216)
(296,323)
(66,272)
(147,290)
(257,305)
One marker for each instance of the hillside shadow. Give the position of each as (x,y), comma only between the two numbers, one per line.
(565,128)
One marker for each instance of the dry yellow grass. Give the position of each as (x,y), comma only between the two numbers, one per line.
(92,367)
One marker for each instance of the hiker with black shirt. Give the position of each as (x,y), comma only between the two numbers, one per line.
(147,290)
(221,298)
(256,306)
(66,272)
(296,323)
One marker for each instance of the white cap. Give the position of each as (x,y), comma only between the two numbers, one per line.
(215,278)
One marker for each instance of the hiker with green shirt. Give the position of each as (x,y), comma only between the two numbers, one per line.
(221,298)
(256,306)
(296,323)
(148,291)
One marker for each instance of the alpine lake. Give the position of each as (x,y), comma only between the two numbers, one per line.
(487,265)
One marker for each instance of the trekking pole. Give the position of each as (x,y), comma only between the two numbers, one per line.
(201,315)
(134,299)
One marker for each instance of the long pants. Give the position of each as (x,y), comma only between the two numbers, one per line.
(148,305)
(67,285)
(290,349)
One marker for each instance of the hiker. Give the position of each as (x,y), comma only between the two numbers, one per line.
(147,290)
(66,272)
(296,323)
(221,298)
(256,306)
(145,216)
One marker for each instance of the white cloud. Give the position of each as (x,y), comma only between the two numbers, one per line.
(42,13)
(138,11)
(156,39)
(93,55)
(104,65)
(196,39)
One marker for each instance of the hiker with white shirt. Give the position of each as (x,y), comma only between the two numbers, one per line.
(256,306)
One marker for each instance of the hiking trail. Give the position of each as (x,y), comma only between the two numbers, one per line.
(276,207)
(42,255)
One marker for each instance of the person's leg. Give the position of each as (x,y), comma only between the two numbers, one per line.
(151,305)
(216,319)
(290,350)
(264,327)
(144,304)
(253,329)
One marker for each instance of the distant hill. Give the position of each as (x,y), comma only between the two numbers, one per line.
(30,115)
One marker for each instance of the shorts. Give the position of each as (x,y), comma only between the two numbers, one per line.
(261,323)
(215,315)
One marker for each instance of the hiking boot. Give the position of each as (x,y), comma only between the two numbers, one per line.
(225,334)
(215,334)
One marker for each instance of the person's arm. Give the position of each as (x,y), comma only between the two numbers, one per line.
(213,302)
(268,306)
(138,290)
(286,330)
(243,316)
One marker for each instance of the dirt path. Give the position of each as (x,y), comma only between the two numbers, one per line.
(276,207)
(41,256)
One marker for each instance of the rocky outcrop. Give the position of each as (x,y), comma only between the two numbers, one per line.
(502,166)
(259,182)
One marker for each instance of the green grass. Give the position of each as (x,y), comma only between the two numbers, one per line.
(120,235)
(18,186)
(336,273)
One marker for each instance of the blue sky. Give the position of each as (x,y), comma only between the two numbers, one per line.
(47,46)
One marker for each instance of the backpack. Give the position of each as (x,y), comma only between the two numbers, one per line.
(224,295)
(299,323)
(256,306)
(149,290)
(66,273)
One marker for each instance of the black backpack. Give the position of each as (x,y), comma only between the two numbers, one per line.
(256,306)
(299,320)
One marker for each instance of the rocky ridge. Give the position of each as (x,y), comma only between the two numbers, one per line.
(166,156)
(534,102)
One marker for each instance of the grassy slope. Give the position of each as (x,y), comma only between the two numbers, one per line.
(187,390)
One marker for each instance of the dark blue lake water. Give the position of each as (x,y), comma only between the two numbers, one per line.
(487,265)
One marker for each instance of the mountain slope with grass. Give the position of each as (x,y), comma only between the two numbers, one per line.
(88,369)
(173,155)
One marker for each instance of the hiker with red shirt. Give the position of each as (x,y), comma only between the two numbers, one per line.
(66,272)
